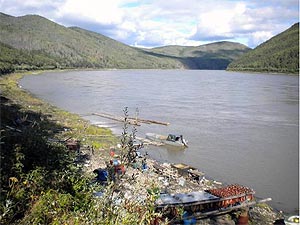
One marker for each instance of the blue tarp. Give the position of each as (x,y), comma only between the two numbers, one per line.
(102,174)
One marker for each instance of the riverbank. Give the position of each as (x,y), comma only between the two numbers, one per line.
(72,126)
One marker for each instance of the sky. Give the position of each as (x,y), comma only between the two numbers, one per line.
(153,23)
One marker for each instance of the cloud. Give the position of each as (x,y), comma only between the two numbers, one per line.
(160,23)
(150,23)
(258,37)
(102,12)
(23,7)
(254,21)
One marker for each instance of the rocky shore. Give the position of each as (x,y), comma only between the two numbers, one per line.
(170,181)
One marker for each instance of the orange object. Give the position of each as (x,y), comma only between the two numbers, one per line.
(112,153)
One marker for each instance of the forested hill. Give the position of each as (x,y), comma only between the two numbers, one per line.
(279,54)
(62,47)
(210,56)
(33,42)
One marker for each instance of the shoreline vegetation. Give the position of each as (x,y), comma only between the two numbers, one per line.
(44,182)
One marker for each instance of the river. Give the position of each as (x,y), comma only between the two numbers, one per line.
(241,127)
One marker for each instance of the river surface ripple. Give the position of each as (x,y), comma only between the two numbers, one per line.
(242,128)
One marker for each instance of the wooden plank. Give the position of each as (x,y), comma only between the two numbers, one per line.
(131,120)
(150,121)
(115,118)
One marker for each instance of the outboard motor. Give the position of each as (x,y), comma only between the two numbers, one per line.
(183,141)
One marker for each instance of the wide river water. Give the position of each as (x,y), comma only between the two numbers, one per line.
(241,128)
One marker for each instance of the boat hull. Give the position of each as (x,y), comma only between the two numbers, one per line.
(164,139)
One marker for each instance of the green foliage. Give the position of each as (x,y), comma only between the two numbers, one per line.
(34,168)
(279,54)
(12,59)
(33,42)
(31,165)
(128,149)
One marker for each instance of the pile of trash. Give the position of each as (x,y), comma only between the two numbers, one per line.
(144,173)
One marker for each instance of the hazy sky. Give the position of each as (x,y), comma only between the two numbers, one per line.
(152,23)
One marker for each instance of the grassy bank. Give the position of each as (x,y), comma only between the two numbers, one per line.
(40,184)
(74,126)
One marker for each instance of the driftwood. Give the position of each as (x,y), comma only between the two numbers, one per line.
(150,121)
(117,118)
(130,120)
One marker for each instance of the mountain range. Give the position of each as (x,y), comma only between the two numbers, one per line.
(33,42)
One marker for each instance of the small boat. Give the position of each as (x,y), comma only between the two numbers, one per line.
(171,139)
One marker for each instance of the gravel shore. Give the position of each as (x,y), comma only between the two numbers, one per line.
(170,181)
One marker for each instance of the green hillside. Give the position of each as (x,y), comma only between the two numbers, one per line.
(210,56)
(279,54)
(73,47)
(12,59)
(33,42)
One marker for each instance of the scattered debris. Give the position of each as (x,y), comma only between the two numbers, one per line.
(73,144)
(172,179)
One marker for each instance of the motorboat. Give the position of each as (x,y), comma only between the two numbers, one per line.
(171,139)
